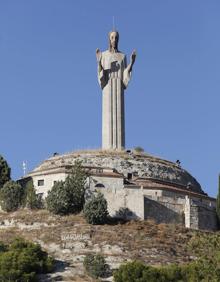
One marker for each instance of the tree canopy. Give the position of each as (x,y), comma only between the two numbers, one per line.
(11,196)
(5,171)
(67,196)
(96,210)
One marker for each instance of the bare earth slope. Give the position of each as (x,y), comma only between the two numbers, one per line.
(70,238)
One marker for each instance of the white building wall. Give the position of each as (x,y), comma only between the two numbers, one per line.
(119,200)
(198,211)
(108,182)
(49,180)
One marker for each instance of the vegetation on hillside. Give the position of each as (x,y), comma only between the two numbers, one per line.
(205,268)
(14,195)
(138,149)
(11,196)
(5,171)
(150,243)
(67,196)
(95,265)
(96,210)
(57,199)
(31,199)
(22,261)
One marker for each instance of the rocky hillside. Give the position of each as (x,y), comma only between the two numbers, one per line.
(70,238)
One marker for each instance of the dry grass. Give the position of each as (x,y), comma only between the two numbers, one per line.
(77,278)
(143,240)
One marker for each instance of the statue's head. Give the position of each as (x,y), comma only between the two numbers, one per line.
(113,40)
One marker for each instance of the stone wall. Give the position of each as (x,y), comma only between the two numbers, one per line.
(127,203)
(137,203)
(162,212)
(200,215)
(207,218)
(164,206)
(144,204)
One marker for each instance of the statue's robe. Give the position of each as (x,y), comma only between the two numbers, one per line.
(113,79)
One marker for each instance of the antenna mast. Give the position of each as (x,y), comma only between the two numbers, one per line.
(24,165)
(113,23)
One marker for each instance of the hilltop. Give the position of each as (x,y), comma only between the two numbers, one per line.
(70,238)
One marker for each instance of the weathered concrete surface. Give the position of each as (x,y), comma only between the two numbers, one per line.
(141,165)
(201,216)
(113,76)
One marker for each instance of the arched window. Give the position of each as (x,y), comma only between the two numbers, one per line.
(99,185)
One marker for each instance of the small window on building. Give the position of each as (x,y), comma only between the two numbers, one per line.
(156,193)
(40,182)
(99,185)
(129,176)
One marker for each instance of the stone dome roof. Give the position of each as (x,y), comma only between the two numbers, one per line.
(140,165)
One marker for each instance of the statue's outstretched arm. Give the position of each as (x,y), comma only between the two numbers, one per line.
(128,69)
(132,60)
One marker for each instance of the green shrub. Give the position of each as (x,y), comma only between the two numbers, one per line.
(11,196)
(75,186)
(206,268)
(95,265)
(207,249)
(139,149)
(5,171)
(22,260)
(136,271)
(68,196)
(57,199)
(130,272)
(171,273)
(31,199)
(96,210)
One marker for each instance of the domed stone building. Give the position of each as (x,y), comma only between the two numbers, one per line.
(135,185)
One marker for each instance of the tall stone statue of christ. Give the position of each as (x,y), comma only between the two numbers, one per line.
(113,75)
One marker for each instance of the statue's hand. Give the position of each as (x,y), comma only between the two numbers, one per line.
(133,57)
(98,56)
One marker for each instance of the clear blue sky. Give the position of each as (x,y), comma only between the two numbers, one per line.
(50,100)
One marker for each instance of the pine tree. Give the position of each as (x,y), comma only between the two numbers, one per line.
(75,185)
(32,200)
(5,171)
(11,196)
(96,210)
(68,197)
(218,200)
(57,199)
